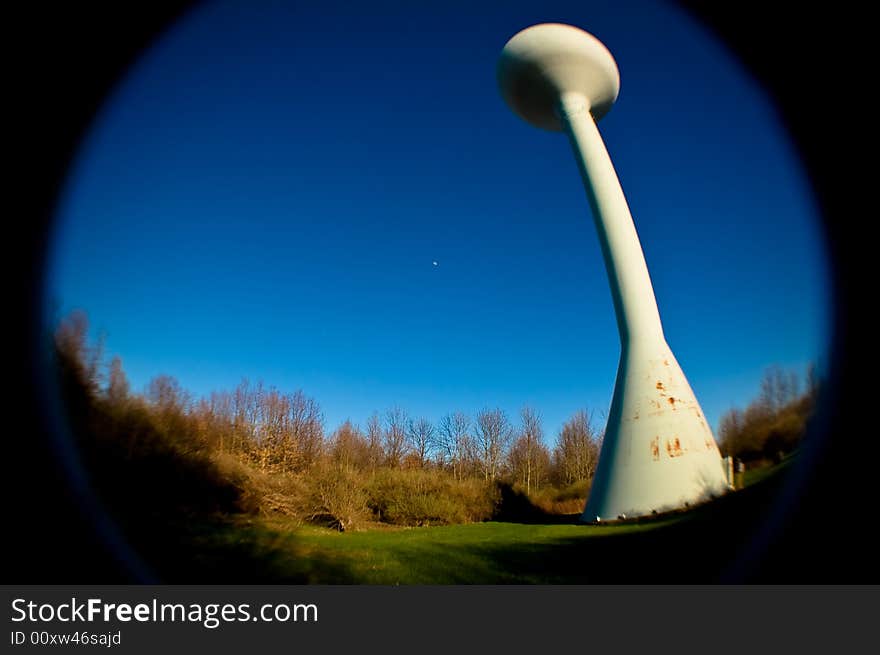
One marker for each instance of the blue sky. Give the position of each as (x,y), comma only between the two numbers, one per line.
(265,192)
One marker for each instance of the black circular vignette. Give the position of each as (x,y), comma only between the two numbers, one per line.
(70,57)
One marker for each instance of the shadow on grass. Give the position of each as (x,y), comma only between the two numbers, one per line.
(696,546)
(691,547)
(523,546)
(516,507)
(230,550)
(181,514)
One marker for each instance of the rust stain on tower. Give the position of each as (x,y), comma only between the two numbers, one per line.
(673,447)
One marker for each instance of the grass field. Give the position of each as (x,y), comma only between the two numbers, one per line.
(491,552)
(691,547)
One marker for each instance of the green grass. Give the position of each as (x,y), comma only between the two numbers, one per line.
(688,547)
(267,550)
(458,554)
(754,475)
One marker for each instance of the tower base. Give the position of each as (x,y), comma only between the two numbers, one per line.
(658,454)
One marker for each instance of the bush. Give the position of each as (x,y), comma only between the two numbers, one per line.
(263,493)
(335,496)
(141,462)
(163,455)
(771,426)
(419,498)
(569,499)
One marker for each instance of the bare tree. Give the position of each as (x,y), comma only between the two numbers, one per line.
(165,393)
(531,435)
(420,434)
(246,414)
(220,419)
(273,431)
(774,423)
(778,388)
(529,462)
(117,382)
(577,448)
(454,441)
(211,425)
(71,340)
(374,441)
(493,434)
(394,436)
(349,447)
(307,428)
(289,430)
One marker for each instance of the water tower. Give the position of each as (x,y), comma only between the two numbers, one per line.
(659,453)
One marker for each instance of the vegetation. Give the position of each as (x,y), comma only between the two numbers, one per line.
(256,450)
(493,552)
(687,547)
(771,426)
(249,476)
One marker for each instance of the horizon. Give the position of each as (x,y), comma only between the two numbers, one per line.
(595,416)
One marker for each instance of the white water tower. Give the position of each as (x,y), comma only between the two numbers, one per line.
(659,453)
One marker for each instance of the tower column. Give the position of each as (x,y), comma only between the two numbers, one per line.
(634,302)
(658,453)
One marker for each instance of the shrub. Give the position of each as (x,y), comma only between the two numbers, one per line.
(144,463)
(419,497)
(772,425)
(569,499)
(335,496)
(263,493)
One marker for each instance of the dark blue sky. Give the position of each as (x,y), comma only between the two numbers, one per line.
(265,193)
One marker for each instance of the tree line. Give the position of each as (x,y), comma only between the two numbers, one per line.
(269,451)
(773,424)
(284,433)
(282,436)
